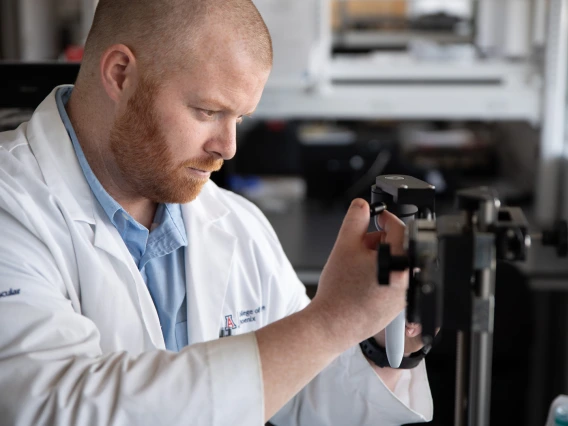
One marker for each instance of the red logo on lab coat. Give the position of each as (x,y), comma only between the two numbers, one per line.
(229,323)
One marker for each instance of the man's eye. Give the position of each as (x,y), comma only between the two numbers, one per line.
(208,113)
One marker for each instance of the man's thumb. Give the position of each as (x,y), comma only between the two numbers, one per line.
(356,222)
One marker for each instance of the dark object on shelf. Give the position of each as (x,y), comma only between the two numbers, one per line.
(25,85)
(557,237)
(436,22)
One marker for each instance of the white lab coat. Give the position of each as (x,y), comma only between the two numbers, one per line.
(81,344)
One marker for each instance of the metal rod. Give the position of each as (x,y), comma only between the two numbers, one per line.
(547,204)
(539,23)
(565,384)
(482,347)
(460,410)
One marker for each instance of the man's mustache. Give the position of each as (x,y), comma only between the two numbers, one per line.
(206,164)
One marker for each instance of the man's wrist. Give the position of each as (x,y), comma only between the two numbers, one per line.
(335,340)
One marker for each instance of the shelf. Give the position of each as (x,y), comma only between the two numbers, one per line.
(399,88)
(380,39)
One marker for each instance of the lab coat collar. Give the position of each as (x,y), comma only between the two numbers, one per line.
(62,172)
(52,147)
(207,207)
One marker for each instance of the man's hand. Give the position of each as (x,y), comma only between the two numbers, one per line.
(348,291)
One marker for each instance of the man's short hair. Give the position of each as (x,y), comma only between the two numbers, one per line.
(161,31)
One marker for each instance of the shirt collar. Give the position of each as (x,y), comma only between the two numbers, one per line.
(109,204)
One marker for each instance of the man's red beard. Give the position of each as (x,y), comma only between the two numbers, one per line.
(143,157)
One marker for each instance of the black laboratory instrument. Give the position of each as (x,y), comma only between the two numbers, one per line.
(452,262)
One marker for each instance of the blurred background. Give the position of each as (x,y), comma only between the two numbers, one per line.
(459,93)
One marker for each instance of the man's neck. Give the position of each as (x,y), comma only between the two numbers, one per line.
(142,210)
(93,136)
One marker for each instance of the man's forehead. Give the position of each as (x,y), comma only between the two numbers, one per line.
(221,44)
(220,84)
(225,79)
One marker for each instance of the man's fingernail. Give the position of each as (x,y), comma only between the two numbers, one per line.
(357,204)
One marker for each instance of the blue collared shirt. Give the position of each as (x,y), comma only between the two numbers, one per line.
(159,253)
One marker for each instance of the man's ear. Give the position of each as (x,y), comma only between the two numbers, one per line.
(119,72)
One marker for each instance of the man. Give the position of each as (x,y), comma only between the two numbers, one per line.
(121,263)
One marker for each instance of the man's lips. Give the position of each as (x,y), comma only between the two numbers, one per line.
(199,172)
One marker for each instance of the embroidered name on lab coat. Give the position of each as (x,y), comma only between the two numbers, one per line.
(250,315)
(11,292)
(244,317)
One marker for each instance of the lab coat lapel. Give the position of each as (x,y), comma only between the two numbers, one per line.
(62,172)
(209,258)
(53,150)
(108,239)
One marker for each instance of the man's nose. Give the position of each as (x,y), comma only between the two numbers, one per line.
(223,144)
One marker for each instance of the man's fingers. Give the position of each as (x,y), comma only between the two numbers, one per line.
(373,239)
(413,329)
(388,221)
(356,221)
(394,229)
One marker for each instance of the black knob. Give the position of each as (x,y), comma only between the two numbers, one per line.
(384,262)
(388,263)
(557,237)
(471,199)
(511,245)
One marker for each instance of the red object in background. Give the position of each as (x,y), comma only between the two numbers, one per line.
(276,126)
(74,53)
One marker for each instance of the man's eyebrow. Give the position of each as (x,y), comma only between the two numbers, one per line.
(217,104)
(214,103)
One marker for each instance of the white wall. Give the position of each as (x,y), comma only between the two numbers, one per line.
(37,30)
(462,8)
